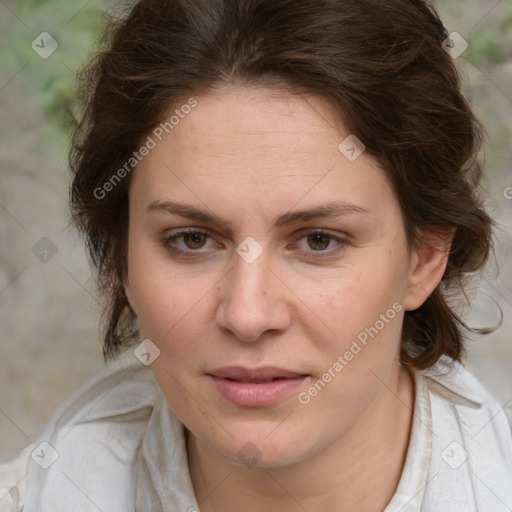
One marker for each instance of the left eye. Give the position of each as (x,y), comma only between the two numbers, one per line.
(318,241)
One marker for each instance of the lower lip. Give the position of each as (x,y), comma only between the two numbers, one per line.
(250,394)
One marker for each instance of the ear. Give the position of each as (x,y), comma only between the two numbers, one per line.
(427,265)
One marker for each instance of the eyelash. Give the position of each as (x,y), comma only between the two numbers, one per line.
(340,245)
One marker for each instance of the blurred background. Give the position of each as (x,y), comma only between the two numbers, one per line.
(49,314)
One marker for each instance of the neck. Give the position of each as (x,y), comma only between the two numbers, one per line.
(357,472)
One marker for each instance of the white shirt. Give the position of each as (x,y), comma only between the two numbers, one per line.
(115,446)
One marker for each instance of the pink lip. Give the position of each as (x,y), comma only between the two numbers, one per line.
(255,388)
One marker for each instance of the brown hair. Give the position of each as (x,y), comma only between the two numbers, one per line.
(380,64)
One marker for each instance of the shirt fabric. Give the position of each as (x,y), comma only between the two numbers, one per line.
(116,446)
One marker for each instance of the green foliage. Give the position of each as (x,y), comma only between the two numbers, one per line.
(491,43)
(51,81)
(485,24)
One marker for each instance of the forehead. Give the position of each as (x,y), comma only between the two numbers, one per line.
(257,148)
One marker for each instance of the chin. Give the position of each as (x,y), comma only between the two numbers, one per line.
(257,449)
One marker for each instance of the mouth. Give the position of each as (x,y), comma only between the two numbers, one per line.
(255,387)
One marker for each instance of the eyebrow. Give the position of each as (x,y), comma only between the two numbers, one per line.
(330,210)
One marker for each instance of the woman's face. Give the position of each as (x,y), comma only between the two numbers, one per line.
(255,243)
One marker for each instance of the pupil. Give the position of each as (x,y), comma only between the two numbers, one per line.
(194,240)
(318,242)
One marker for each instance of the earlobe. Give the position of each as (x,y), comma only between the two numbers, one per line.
(427,266)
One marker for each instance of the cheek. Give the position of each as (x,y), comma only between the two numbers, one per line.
(356,298)
(155,296)
(365,313)
(171,307)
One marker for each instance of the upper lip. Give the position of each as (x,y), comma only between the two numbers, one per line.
(263,374)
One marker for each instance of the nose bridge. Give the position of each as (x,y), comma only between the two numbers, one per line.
(250,282)
(250,302)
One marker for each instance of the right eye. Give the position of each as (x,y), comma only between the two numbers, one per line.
(189,241)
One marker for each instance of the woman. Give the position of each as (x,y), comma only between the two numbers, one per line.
(280,198)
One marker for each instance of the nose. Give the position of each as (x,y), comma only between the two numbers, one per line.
(252,301)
